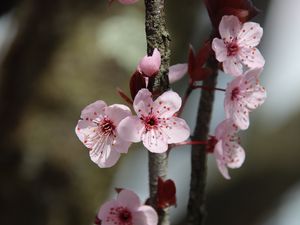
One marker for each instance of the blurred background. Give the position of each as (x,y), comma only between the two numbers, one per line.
(58,56)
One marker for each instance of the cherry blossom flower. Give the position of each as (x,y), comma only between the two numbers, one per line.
(155,123)
(238,45)
(149,65)
(127,210)
(127,2)
(227,151)
(97,130)
(177,71)
(244,94)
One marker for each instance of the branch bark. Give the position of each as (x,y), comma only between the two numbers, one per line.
(196,205)
(157,37)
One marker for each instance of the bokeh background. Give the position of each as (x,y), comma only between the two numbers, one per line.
(57,56)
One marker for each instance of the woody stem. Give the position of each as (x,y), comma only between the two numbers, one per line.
(158,37)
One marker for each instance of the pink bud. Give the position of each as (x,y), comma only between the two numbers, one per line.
(149,65)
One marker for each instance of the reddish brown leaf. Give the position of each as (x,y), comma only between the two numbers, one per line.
(244,9)
(137,82)
(122,94)
(166,193)
(97,221)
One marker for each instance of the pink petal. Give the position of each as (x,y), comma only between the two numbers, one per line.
(177,71)
(104,156)
(105,209)
(232,66)
(117,112)
(220,49)
(129,199)
(224,128)
(121,145)
(252,57)
(176,130)
(235,155)
(143,102)
(85,130)
(127,2)
(155,141)
(241,118)
(250,34)
(131,129)
(149,65)
(229,28)
(218,153)
(145,215)
(167,104)
(93,110)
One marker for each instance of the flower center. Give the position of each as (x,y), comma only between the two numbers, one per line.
(150,122)
(234,93)
(106,127)
(232,48)
(125,216)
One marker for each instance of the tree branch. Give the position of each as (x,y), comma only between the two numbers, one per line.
(196,205)
(157,37)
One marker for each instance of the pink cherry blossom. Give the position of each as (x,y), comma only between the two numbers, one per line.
(227,151)
(155,123)
(127,210)
(177,71)
(244,94)
(127,2)
(97,130)
(149,65)
(238,45)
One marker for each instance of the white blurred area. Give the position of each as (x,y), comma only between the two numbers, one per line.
(281,75)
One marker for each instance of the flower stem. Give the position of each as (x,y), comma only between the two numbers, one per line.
(157,37)
(196,205)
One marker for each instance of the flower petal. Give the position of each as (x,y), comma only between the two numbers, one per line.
(145,215)
(241,118)
(149,65)
(220,49)
(121,145)
(251,57)
(143,102)
(177,71)
(129,199)
(93,110)
(117,112)
(105,209)
(229,28)
(155,141)
(131,129)
(176,130)
(167,104)
(235,154)
(219,155)
(232,66)
(103,155)
(250,34)
(85,131)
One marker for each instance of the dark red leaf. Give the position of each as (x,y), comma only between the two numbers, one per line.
(211,143)
(137,82)
(166,193)
(97,221)
(243,9)
(196,69)
(122,94)
(118,190)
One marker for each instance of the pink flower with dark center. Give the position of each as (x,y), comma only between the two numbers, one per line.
(244,94)
(227,151)
(238,45)
(97,130)
(155,123)
(149,65)
(127,210)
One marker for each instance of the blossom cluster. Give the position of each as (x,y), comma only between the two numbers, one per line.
(236,50)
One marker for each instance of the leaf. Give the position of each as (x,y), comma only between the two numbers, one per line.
(166,193)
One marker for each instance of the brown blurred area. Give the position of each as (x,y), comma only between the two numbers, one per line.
(58,62)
